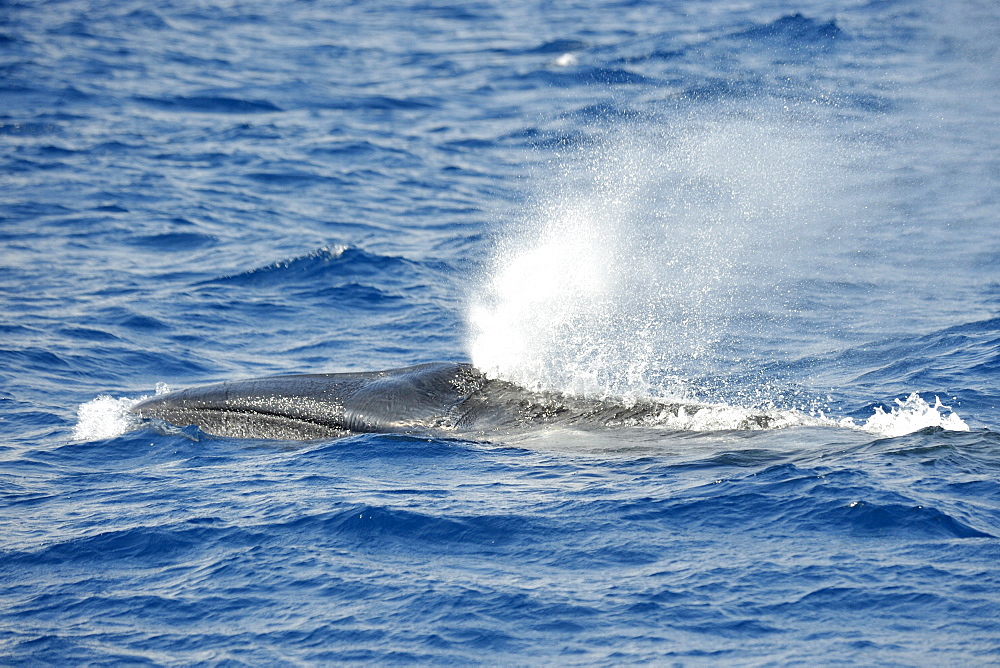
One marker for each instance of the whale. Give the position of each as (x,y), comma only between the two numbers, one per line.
(434,399)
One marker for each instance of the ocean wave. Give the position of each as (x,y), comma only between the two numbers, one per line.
(795,29)
(209,104)
(298,269)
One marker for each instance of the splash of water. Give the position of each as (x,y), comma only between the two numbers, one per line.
(107,417)
(104,417)
(910,415)
(643,250)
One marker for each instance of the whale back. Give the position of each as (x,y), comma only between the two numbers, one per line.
(425,397)
(439,398)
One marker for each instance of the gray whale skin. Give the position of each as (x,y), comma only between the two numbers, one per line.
(437,399)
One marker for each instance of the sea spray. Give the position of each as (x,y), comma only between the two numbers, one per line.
(104,417)
(651,254)
(910,415)
(107,417)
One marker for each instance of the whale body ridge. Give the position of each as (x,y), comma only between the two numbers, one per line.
(437,398)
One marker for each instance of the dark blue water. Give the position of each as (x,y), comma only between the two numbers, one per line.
(776,206)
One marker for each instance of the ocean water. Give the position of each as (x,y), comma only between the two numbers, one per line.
(780,207)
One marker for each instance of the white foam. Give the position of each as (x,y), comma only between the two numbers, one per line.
(909,415)
(104,417)
(566,60)
(722,417)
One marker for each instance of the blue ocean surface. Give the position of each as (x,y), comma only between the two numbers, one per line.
(774,208)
